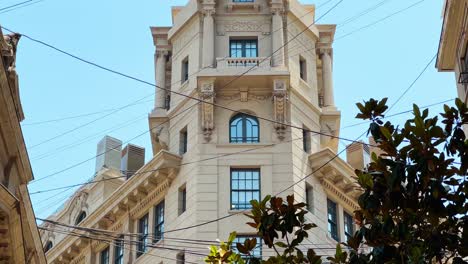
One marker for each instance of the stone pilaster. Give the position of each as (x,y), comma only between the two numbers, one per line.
(160,64)
(208,10)
(277,38)
(280,100)
(327,76)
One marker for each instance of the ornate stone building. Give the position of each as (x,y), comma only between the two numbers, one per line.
(19,237)
(452,55)
(249,136)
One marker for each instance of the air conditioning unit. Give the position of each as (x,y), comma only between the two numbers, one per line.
(132,159)
(108,153)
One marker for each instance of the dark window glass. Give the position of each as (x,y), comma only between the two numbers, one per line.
(348,225)
(80,218)
(244,129)
(257,251)
(243,48)
(159,221)
(306,140)
(143,237)
(310,198)
(245,186)
(303,68)
(332,220)
(104,258)
(119,251)
(48,246)
(183,141)
(182,200)
(185,70)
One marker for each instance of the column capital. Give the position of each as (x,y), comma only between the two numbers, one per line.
(162,53)
(208,11)
(277,7)
(324,50)
(208,7)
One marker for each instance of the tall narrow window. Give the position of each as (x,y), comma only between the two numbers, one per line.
(183,141)
(303,68)
(306,141)
(159,221)
(257,251)
(104,256)
(244,129)
(245,186)
(143,235)
(119,250)
(332,220)
(185,70)
(243,48)
(310,198)
(348,225)
(182,199)
(180,258)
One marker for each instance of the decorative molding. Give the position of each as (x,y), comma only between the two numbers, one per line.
(339,193)
(207,94)
(78,259)
(280,100)
(243,26)
(238,97)
(149,200)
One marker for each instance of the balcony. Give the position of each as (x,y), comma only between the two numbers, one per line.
(244,63)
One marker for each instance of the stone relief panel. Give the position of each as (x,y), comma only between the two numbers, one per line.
(227,26)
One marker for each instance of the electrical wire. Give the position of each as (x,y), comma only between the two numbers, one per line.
(19,7)
(17,4)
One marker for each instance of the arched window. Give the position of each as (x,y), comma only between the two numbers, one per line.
(80,217)
(48,246)
(244,129)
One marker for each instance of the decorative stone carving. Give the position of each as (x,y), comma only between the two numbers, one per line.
(207,94)
(243,26)
(244,94)
(157,142)
(280,100)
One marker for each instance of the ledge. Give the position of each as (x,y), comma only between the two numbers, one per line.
(243,5)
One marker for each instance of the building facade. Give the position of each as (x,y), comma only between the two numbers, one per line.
(19,237)
(452,55)
(242,86)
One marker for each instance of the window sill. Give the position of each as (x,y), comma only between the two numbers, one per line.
(238,211)
(240,145)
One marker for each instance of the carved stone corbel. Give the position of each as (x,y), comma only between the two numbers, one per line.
(207,94)
(280,100)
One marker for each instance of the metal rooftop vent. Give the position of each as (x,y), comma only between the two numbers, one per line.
(108,153)
(133,158)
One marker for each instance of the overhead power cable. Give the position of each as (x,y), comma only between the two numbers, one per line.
(380,20)
(17,4)
(21,6)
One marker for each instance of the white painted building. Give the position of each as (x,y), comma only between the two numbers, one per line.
(248,138)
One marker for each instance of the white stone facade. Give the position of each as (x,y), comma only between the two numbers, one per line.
(192,148)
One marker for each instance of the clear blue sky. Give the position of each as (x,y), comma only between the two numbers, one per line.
(380,61)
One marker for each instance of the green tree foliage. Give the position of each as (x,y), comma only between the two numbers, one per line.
(413,208)
(414,205)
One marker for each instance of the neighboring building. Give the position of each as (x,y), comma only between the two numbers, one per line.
(204,166)
(19,237)
(453,48)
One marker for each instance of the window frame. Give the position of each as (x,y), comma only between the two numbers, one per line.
(159,225)
(182,199)
(303,68)
(48,246)
(183,141)
(245,190)
(332,222)
(243,138)
(348,222)
(104,259)
(243,47)
(143,230)
(306,140)
(118,247)
(81,216)
(185,70)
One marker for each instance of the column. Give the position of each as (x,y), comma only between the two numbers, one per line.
(327,77)
(277,37)
(208,38)
(160,64)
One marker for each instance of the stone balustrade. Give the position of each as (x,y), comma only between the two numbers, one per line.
(229,63)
